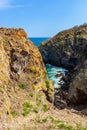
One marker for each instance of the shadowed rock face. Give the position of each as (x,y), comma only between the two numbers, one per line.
(22,70)
(68,49)
(78,87)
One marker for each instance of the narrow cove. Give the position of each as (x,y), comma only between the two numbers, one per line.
(54,73)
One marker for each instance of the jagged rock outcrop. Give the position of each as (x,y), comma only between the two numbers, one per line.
(22,70)
(68,49)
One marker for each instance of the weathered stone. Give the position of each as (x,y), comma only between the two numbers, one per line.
(68,49)
(67,53)
(22,70)
(78,87)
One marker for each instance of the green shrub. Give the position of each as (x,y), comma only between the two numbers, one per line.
(55,121)
(27,108)
(79,127)
(14,113)
(27,105)
(5,41)
(35,110)
(38,102)
(45,108)
(25,112)
(31,94)
(44,120)
(47,83)
(65,127)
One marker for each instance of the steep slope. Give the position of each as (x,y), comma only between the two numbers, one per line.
(68,49)
(22,72)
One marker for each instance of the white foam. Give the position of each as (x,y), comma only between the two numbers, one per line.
(52,71)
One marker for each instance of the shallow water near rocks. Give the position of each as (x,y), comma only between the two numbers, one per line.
(55,74)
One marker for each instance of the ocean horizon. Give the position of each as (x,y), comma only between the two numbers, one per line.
(38,40)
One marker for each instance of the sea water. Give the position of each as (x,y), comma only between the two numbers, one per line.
(38,40)
(54,73)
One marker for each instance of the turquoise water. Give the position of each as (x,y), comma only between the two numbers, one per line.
(54,73)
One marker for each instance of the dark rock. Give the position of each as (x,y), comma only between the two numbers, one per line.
(68,49)
(60,98)
(58,75)
(78,87)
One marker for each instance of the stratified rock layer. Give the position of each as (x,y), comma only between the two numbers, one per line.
(68,49)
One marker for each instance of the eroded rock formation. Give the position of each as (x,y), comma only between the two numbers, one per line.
(68,49)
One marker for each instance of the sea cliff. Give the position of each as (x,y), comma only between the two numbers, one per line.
(68,49)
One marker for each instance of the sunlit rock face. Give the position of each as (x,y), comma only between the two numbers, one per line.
(22,70)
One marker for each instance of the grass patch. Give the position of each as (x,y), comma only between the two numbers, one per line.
(47,84)
(35,110)
(31,94)
(14,113)
(45,108)
(27,105)
(79,127)
(54,121)
(64,127)
(27,108)
(8,128)
(44,120)
(38,102)
(22,86)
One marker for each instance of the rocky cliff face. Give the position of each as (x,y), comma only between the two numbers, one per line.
(22,70)
(68,49)
(78,86)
